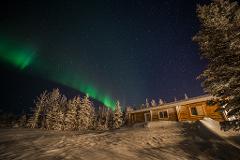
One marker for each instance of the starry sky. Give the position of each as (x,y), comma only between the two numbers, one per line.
(128,49)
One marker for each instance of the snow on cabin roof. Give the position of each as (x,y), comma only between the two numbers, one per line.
(177,103)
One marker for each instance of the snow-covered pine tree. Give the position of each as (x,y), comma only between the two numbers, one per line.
(175,99)
(185,96)
(71,122)
(219,42)
(153,103)
(98,119)
(109,120)
(40,104)
(44,112)
(102,119)
(61,113)
(147,103)
(117,116)
(49,119)
(85,114)
(160,102)
(53,107)
(59,122)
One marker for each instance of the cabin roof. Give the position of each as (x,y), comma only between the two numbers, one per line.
(177,103)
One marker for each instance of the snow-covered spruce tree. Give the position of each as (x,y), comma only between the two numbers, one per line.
(59,123)
(61,113)
(185,96)
(147,103)
(71,122)
(44,112)
(53,107)
(85,114)
(98,119)
(49,119)
(102,119)
(35,120)
(117,116)
(175,99)
(153,103)
(160,102)
(219,42)
(109,118)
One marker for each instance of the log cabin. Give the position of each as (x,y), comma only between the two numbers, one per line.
(189,109)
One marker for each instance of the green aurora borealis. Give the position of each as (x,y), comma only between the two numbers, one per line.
(19,57)
(22,56)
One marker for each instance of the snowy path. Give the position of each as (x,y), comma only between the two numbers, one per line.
(186,141)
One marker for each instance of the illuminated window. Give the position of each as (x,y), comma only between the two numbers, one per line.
(163,114)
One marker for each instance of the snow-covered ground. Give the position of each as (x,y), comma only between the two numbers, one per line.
(170,141)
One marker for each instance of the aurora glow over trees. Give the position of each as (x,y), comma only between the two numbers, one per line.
(111,50)
(22,56)
(53,111)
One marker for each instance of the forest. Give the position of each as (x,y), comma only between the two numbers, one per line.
(53,111)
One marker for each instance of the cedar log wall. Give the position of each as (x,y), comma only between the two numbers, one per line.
(203,110)
(179,113)
(139,116)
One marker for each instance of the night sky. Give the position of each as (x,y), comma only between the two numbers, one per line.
(129,49)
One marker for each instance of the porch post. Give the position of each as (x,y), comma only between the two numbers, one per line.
(150,115)
(129,119)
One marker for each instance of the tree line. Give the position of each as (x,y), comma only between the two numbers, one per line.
(53,111)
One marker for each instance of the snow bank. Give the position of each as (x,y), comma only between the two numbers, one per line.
(157,124)
(162,140)
(214,127)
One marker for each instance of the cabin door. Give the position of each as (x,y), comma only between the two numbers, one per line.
(147,117)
